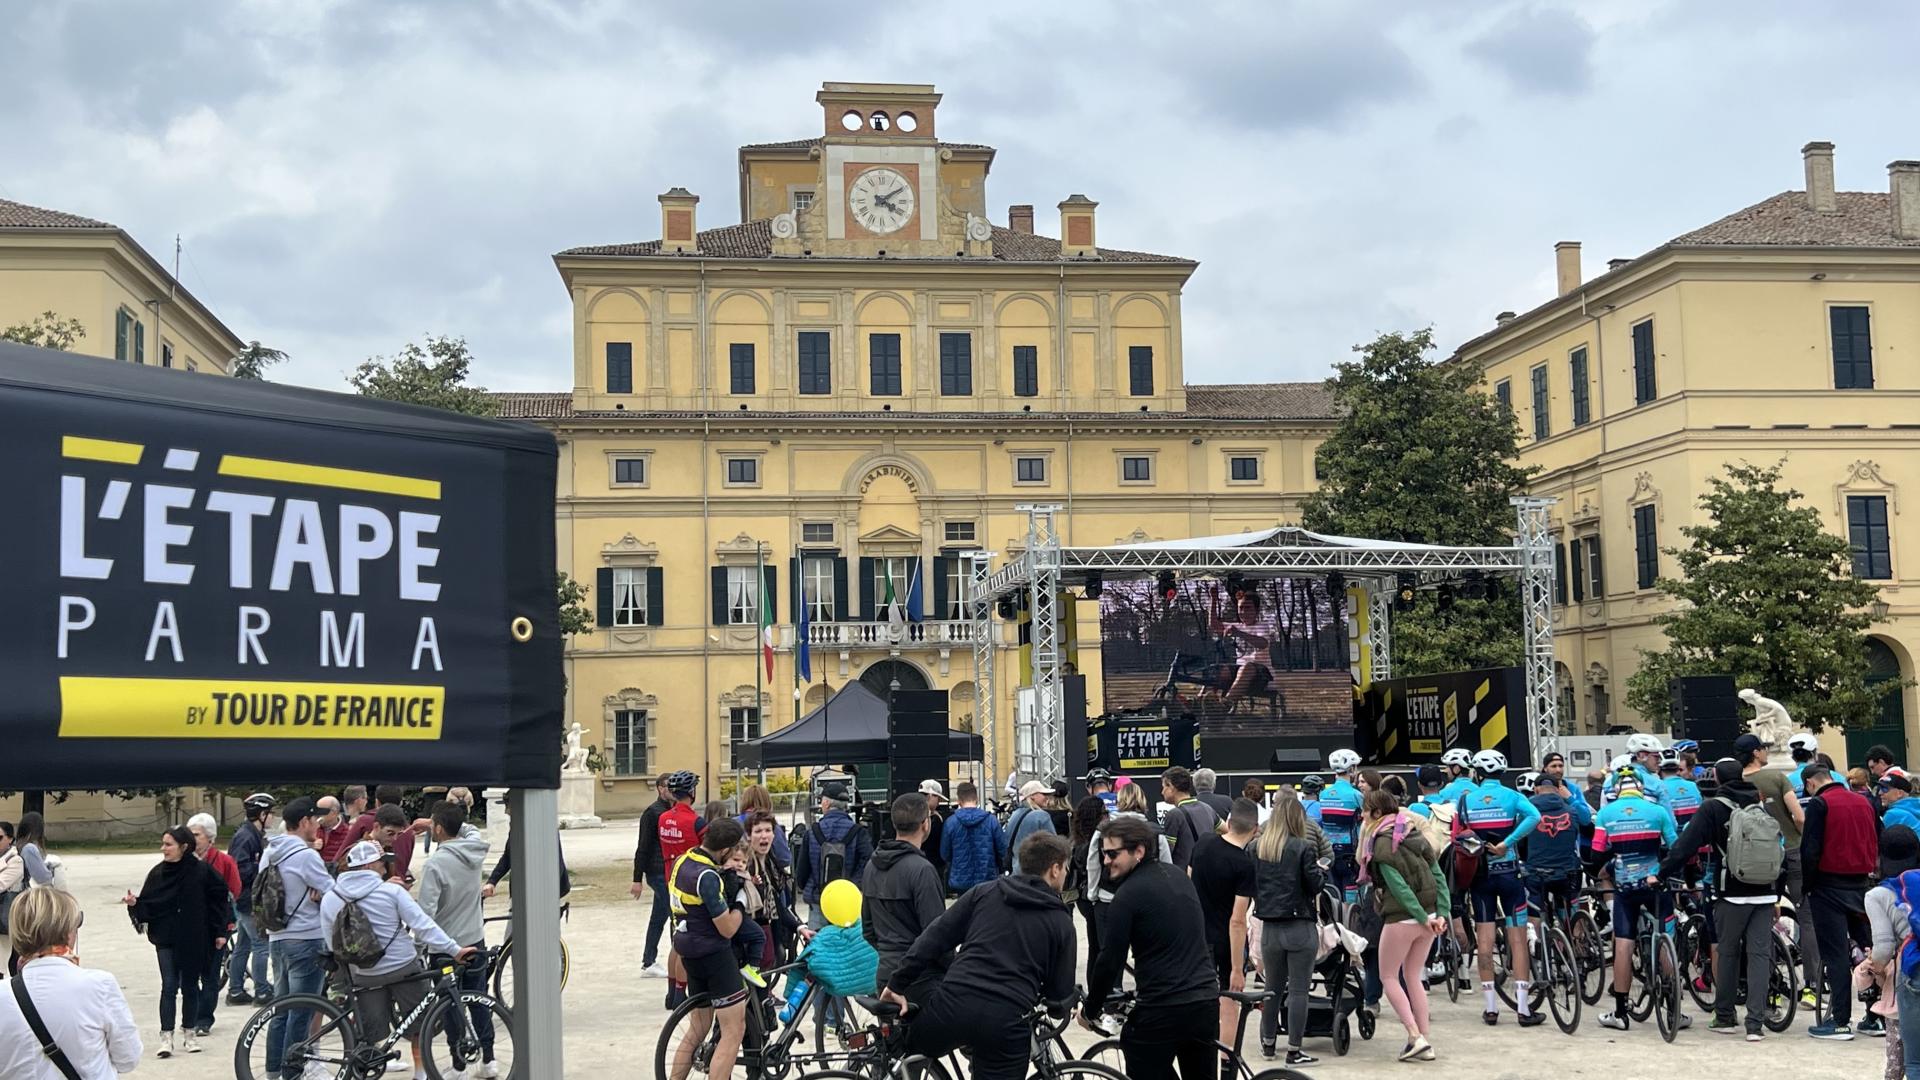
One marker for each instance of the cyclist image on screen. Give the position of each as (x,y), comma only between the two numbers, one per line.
(1251,633)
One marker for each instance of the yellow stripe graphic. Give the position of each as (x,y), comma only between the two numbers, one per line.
(113,708)
(328,476)
(108,450)
(1480,692)
(1495,731)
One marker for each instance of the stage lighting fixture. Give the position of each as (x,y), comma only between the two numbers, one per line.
(1490,589)
(1475,586)
(1336,585)
(1094,584)
(1443,598)
(1236,583)
(1006,609)
(1403,597)
(1168,587)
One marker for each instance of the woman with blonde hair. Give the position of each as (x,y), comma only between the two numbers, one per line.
(83,1011)
(1287,884)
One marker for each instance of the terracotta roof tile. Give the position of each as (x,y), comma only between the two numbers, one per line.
(1859,219)
(1229,401)
(754,240)
(1280,401)
(16,215)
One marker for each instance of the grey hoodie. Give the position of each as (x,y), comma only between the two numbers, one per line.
(392,913)
(304,874)
(450,886)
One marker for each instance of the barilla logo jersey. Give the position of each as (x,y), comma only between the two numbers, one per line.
(1635,831)
(1497,814)
(1683,798)
(1340,813)
(679,832)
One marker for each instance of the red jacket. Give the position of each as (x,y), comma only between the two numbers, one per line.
(679,832)
(1842,836)
(229,871)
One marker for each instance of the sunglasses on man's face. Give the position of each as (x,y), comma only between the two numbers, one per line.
(1111,853)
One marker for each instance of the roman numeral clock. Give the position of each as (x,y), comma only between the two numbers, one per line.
(881,200)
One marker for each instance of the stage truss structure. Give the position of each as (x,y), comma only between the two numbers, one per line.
(1045,566)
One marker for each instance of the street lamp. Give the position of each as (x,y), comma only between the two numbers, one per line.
(1879,610)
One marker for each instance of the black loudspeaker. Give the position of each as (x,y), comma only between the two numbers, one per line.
(916,738)
(1706,710)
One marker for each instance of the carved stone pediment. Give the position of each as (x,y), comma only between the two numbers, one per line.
(889,534)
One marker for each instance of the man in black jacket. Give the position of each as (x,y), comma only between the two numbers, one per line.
(249,941)
(901,894)
(1016,949)
(1155,914)
(650,871)
(1742,911)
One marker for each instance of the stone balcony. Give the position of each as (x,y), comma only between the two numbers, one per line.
(930,633)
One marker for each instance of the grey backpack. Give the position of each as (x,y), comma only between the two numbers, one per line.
(1755,852)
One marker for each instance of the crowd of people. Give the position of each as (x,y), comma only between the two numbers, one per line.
(255,919)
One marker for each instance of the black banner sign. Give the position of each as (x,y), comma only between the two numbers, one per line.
(1134,742)
(1417,719)
(212,581)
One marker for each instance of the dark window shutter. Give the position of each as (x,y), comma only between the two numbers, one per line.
(719,596)
(656,596)
(942,566)
(1578,564)
(1560,574)
(866,589)
(840,588)
(913,606)
(1598,568)
(795,584)
(771,583)
(603,596)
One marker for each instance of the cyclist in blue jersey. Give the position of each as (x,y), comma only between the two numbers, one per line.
(1551,855)
(1683,795)
(1803,747)
(1310,788)
(1689,754)
(1459,765)
(1499,817)
(1632,834)
(1340,820)
(1645,751)
(1100,784)
(1430,779)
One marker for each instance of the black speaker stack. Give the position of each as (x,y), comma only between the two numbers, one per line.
(1706,710)
(917,738)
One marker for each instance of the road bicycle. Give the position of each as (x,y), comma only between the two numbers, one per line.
(1554,966)
(1108,1051)
(1656,976)
(1046,1051)
(499,958)
(770,1049)
(452,1024)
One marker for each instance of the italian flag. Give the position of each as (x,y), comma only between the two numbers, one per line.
(766,624)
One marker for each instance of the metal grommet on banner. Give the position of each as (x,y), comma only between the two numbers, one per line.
(522,628)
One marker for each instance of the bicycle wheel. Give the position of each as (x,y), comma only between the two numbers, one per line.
(501,971)
(329,1044)
(1074,1070)
(680,1026)
(1451,959)
(1590,956)
(1696,961)
(469,1033)
(1665,992)
(1640,989)
(1783,986)
(1560,978)
(1107,1052)
(1280,1074)
(832,1018)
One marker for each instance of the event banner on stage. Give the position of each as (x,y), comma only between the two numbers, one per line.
(1416,719)
(1252,651)
(264,584)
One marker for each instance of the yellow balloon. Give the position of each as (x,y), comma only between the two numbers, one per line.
(840,902)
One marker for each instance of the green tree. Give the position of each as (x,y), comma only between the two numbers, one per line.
(434,375)
(47,330)
(575,616)
(253,360)
(1767,596)
(1422,455)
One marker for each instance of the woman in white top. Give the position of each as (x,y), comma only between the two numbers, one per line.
(83,1011)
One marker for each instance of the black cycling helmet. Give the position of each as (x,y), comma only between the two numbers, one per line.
(1098,776)
(1313,782)
(258,803)
(682,782)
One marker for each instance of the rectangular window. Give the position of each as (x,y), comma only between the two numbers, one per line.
(1867,531)
(629,596)
(630,742)
(1596,569)
(900,567)
(743,595)
(1503,393)
(958,571)
(961,532)
(1030,470)
(629,470)
(743,470)
(740,367)
(1243,468)
(1577,379)
(619,367)
(816,362)
(816,533)
(883,361)
(191,366)
(956,364)
(123,335)
(1136,469)
(1542,418)
(743,726)
(1852,348)
(166,355)
(1026,371)
(139,343)
(816,586)
(1646,547)
(1140,370)
(1644,387)
(1577,562)
(803,200)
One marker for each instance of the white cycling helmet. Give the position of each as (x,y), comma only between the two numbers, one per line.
(1643,743)
(1490,761)
(1622,761)
(1459,757)
(1803,741)
(1526,781)
(1343,760)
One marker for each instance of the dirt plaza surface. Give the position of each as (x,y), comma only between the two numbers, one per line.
(613,1014)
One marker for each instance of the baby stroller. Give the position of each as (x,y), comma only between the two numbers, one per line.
(1339,985)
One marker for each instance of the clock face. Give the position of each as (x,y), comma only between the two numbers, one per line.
(881,200)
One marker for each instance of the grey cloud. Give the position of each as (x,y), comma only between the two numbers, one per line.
(1545,50)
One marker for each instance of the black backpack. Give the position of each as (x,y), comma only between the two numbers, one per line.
(269,897)
(833,856)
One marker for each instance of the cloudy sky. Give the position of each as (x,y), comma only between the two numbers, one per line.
(347,176)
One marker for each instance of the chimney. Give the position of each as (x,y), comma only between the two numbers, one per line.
(1504,318)
(1020,218)
(1903,182)
(1615,264)
(1076,227)
(1566,265)
(1819,159)
(678,231)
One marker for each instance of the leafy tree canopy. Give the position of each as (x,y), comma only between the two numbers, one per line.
(434,374)
(47,330)
(253,360)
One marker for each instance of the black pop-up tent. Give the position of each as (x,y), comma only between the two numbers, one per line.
(849,728)
(224,582)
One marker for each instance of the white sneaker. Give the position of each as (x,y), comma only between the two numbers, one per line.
(655,971)
(316,1071)
(486,1071)
(165,1049)
(191,1044)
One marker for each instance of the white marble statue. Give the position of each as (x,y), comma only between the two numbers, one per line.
(1771,721)
(576,760)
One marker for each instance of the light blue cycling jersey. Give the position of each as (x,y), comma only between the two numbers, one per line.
(1340,813)
(1683,798)
(1636,832)
(1455,788)
(1799,780)
(1650,786)
(1497,814)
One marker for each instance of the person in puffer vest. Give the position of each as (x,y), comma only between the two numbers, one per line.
(1839,850)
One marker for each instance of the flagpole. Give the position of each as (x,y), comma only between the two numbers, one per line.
(759,568)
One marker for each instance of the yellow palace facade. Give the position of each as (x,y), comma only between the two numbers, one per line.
(864,380)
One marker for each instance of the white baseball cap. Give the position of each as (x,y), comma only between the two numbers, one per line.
(933,788)
(1034,787)
(364,853)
